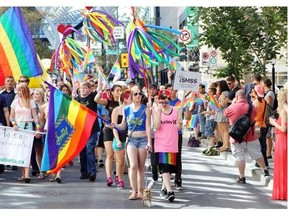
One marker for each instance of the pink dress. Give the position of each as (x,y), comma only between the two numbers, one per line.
(280,165)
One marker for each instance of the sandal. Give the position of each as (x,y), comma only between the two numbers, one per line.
(133,197)
(21,178)
(41,176)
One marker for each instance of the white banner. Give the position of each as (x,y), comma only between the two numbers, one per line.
(187,80)
(15,146)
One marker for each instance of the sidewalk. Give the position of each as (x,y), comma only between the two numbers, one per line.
(252,171)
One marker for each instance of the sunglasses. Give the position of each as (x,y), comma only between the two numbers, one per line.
(137,93)
(164,102)
(229,83)
(21,81)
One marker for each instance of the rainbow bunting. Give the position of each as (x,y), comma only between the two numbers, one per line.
(192,123)
(17,51)
(213,103)
(69,127)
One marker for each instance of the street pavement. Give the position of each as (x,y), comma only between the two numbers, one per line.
(209,182)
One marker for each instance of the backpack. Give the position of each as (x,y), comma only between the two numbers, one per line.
(192,142)
(242,126)
(269,112)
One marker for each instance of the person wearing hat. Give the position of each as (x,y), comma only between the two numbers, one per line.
(258,101)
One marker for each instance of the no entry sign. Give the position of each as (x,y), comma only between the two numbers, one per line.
(185,36)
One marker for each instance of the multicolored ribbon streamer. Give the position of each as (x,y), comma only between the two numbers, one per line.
(147,47)
(98,25)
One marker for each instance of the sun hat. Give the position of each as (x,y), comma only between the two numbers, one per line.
(259,89)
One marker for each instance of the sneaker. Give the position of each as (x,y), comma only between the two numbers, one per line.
(92,177)
(171,196)
(178,187)
(241,180)
(163,193)
(151,184)
(266,173)
(83,177)
(116,180)
(120,185)
(109,181)
(58,180)
(101,163)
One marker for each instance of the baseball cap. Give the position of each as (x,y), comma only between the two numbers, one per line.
(259,89)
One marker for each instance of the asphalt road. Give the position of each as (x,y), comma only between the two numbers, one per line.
(208,183)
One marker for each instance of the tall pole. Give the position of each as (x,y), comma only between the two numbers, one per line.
(273,77)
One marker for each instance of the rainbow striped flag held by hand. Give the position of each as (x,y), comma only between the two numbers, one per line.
(17,51)
(192,123)
(69,127)
(116,71)
(213,103)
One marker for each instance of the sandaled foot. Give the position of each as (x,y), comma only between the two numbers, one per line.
(21,178)
(41,176)
(133,197)
(140,196)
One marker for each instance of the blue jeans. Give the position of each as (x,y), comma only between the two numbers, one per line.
(87,156)
(202,123)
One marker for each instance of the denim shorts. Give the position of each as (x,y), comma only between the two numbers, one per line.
(210,128)
(138,142)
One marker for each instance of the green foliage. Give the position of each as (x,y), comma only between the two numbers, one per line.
(248,37)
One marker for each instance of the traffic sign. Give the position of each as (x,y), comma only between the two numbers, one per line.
(213,53)
(185,36)
(118,32)
(205,58)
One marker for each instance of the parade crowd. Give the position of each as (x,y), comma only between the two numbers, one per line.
(147,121)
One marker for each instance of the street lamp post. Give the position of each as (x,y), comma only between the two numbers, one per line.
(273,75)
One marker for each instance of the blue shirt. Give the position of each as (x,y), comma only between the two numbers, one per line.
(133,117)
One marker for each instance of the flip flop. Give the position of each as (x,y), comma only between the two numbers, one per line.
(21,178)
(133,197)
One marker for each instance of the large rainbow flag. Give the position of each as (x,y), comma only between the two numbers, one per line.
(69,127)
(17,51)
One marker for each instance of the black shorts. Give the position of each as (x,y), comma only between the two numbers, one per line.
(108,134)
(38,141)
(101,141)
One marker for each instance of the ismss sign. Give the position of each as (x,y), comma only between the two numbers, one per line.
(187,80)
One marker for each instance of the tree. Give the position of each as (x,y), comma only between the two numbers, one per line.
(248,37)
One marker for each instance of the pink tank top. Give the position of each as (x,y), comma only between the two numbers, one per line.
(166,136)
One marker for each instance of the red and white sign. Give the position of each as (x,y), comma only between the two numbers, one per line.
(185,36)
(205,59)
(213,53)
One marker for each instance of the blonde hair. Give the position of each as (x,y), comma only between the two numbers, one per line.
(282,97)
(41,92)
(25,94)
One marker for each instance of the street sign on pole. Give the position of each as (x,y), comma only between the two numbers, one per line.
(205,59)
(118,32)
(185,36)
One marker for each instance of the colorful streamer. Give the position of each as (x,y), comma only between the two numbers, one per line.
(147,47)
(98,26)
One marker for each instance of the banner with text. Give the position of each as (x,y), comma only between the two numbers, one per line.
(187,80)
(15,146)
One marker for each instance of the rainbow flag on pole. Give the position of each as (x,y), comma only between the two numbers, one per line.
(17,51)
(213,103)
(192,123)
(116,71)
(69,127)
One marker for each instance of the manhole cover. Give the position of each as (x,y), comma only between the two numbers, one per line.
(48,193)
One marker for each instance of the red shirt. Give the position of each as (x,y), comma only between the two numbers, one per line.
(234,111)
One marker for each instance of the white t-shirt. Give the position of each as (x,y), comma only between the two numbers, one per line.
(22,114)
(272,95)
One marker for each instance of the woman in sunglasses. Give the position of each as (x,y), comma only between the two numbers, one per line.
(139,141)
(167,123)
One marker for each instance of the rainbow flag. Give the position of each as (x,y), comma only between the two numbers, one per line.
(213,103)
(186,102)
(116,71)
(69,127)
(168,158)
(17,51)
(192,123)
